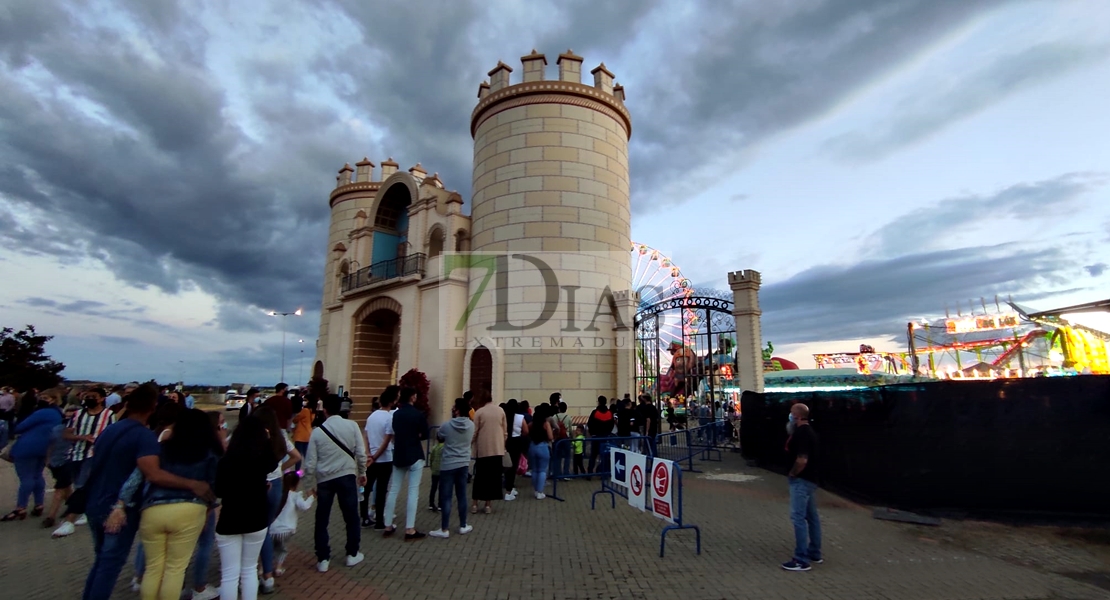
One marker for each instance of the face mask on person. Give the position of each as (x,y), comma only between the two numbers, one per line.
(790,424)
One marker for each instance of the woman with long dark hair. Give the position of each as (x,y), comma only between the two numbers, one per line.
(172,519)
(516,444)
(287,456)
(539,448)
(241,528)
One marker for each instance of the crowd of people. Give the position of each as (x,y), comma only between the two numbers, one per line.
(143,462)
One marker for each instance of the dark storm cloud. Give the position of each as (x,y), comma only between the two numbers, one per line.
(878,297)
(749,70)
(1031,201)
(152,181)
(153,171)
(924,114)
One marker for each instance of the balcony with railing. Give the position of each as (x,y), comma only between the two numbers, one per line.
(385,270)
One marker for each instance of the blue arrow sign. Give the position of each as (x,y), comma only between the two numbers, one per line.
(620,470)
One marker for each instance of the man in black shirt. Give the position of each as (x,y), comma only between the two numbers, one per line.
(648,418)
(804,449)
(626,418)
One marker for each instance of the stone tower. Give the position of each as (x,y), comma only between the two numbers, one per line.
(551,175)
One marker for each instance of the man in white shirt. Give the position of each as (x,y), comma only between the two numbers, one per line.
(379,439)
(335,467)
(114,398)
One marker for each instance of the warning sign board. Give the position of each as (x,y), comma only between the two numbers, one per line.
(637,482)
(662,487)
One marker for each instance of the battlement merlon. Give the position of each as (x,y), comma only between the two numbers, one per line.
(534,64)
(364,170)
(626,297)
(501,92)
(746,279)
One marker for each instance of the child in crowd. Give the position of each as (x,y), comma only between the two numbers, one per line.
(579,449)
(285,525)
(435,457)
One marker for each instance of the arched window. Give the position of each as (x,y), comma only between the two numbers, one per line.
(391,224)
(435,242)
(462,241)
(393,211)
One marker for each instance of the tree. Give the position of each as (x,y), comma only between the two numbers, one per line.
(24,363)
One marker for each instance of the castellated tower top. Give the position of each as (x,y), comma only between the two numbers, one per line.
(500,93)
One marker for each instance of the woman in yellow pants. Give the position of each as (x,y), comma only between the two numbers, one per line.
(173,519)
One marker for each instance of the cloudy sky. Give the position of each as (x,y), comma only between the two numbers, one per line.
(165,166)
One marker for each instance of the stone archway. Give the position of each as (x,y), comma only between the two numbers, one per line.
(374,352)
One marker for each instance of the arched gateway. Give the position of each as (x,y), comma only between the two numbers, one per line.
(377,327)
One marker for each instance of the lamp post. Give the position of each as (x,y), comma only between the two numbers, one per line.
(300,366)
(272,313)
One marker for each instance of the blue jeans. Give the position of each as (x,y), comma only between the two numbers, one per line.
(450,481)
(273,501)
(539,457)
(561,461)
(301,447)
(203,553)
(344,489)
(807,525)
(31,481)
(111,554)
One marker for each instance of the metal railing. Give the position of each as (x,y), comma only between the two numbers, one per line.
(412,264)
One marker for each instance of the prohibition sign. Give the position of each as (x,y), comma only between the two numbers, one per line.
(660,480)
(636,480)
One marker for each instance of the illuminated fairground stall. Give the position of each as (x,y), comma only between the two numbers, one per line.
(1009,342)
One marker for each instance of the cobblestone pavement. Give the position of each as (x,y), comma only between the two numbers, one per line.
(555,550)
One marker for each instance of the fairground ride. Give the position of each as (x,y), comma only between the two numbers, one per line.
(1009,342)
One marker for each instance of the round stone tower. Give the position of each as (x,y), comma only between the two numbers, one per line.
(551,176)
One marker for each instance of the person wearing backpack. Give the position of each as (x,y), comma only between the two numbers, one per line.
(600,425)
(335,467)
(562,450)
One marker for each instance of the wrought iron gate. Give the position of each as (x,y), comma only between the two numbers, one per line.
(686,351)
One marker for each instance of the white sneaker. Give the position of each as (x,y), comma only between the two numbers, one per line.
(439,533)
(508,498)
(136,585)
(82,520)
(208,593)
(64,530)
(354,560)
(465,530)
(322,566)
(514,493)
(266,586)
(540,496)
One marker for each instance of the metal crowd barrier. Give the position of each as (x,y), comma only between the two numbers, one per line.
(428,443)
(607,487)
(684,445)
(600,445)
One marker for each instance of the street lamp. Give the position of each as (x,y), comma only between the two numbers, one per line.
(272,313)
(300,366)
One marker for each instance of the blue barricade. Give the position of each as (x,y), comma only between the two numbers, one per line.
(598,445)
(607,487)
(684,445)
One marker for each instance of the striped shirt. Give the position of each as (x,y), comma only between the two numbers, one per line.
(84,423)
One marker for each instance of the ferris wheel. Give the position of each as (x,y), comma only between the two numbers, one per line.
(657,279)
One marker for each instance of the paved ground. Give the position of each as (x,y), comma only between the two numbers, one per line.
(555,550)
